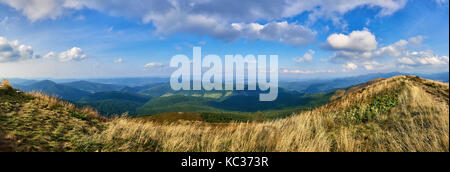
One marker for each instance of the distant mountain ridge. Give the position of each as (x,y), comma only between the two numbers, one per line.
(326,85)
(93,87)
(112,99)
(51,88)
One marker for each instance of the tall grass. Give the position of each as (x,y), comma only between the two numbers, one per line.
(396,115)
(51,102)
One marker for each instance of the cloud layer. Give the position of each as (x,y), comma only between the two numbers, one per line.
(228,20)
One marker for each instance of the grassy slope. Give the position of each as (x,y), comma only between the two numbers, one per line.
(115,103)
(41,123)
(399,114)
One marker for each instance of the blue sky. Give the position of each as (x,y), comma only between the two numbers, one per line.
(324,38)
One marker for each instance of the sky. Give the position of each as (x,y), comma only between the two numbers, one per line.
(138,38)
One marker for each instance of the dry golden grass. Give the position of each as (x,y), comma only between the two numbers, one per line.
(46,101)
(5,83)
(401,114)
(35,122)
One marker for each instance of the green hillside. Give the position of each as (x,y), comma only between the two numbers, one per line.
(114,103)
(93,87)
(175,103)
(236,102)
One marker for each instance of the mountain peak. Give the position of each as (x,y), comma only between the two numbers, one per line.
(388,96)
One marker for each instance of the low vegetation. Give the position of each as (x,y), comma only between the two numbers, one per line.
(37,122)
(400,114)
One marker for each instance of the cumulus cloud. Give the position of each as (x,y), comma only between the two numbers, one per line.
(308,57)
(356,41)
(361,47)
(73,54)
(218,18)
(416,40)
(373,65)
(394,50)
(50,55)
(350,66)
(423,58)
(11,51)
(406,60)
(41,9)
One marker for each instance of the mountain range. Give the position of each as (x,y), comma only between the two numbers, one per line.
(157,97)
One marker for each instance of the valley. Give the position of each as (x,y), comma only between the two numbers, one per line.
(153,96)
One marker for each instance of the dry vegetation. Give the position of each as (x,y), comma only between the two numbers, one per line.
(404,113)
(35,122)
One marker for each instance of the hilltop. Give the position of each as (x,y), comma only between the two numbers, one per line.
(403,113)
(37,122)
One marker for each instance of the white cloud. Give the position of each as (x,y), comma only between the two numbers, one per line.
(284,32)
(73,54)
(11,51)
(350,66)
(214,18)
(423,58)
(406,60)
(395,50)
(50,55)
(307,57)
(360,41)
(118,60)
(153,65)
(226,9)
(352,55)
(298,71)
(416,40)
(41,9)
(401,51)
(372,65)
